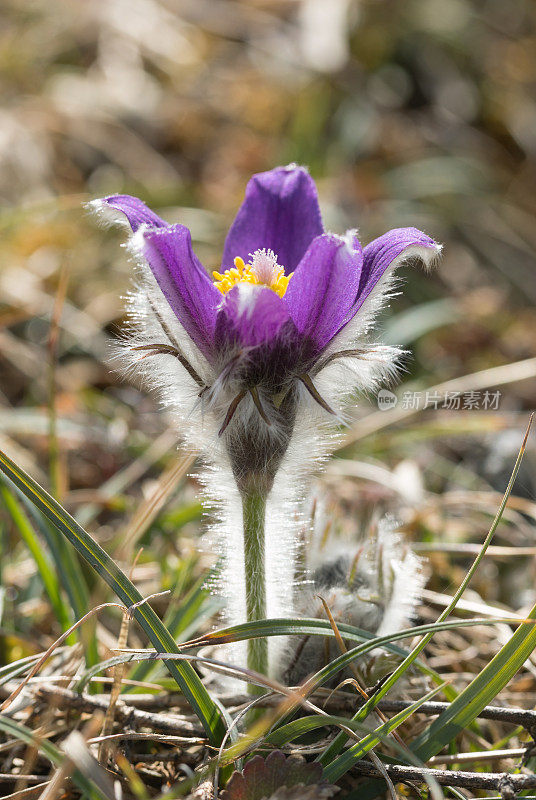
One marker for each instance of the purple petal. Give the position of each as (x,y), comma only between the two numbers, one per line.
(280,212)
(388,251)
(251,316)
(255,330)
(134,210)
(324,286)
(186,286)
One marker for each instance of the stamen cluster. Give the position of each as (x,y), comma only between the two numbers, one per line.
(262,270)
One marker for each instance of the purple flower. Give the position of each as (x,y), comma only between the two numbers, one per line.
(286,293)
(259,352)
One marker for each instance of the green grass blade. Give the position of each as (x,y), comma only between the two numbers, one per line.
(285,627)
(46,571)
(334,771)
(184,613)
(66,562)
(70,573)
(480,692)
(209,713)
(299,727)
(183,618)
(319,627)
(19,667)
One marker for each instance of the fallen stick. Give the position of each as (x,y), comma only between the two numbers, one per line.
(342,701)
(164,723)
(515,716)
(468,780)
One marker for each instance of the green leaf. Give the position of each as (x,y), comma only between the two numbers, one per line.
(320,627)
(210,714)
(299,727)
(262,778)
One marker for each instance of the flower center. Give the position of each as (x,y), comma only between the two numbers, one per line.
(262,270)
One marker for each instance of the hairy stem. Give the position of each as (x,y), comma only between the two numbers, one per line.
(254,513)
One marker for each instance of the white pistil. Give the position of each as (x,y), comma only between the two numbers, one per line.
(264,265)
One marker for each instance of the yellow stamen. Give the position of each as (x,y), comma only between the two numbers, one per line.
(246,273)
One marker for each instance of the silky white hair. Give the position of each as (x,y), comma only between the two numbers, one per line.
(373,584)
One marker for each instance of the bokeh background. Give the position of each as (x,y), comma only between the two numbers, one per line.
(420,112)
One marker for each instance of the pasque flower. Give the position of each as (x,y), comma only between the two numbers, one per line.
(373,582)
(257,359)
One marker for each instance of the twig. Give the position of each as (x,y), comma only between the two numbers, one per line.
(473,549)
(516,716)
(165,700)
(154,737)
(485,755)
(445,777)
(481,609)
(335,701)
(161,722)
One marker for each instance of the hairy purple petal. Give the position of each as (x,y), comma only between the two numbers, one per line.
(184,282)
(134,210)
(387,251)
(324,286)
(280,212)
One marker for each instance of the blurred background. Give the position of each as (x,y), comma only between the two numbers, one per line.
(419,113)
